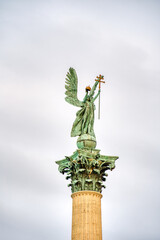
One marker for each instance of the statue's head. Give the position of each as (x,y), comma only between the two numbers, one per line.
(88,88)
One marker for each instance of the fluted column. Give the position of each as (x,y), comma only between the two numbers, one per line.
(86,215)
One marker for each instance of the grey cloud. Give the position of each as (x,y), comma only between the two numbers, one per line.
(40,41)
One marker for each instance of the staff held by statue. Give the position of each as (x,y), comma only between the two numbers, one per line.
(98,79)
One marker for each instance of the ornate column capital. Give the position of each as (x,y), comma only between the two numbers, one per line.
(87,169)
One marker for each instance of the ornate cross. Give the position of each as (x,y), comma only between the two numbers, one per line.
(98,79)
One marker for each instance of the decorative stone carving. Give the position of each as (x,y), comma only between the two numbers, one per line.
(87,169)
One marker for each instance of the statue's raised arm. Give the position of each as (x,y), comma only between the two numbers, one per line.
(93,89)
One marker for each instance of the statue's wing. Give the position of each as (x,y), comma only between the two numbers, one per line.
(71,88)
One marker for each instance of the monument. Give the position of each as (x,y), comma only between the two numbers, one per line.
(86,167)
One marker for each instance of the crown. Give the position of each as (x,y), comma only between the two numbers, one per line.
(88,88)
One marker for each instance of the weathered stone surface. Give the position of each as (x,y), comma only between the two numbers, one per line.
(86,216)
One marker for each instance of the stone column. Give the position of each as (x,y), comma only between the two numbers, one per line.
(87,170)
(86,215)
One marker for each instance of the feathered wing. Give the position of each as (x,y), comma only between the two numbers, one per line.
(71,88)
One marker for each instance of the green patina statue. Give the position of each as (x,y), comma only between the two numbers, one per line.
(85,167)
(85,116)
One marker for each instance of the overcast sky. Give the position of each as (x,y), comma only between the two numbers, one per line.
(39,41)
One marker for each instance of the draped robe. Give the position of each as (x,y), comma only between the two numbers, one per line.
(84,121)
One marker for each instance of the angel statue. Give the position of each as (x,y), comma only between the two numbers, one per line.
(84,121)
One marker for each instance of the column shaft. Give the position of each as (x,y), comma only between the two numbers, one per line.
(86,215)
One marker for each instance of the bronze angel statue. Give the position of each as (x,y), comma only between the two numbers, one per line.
(84,121)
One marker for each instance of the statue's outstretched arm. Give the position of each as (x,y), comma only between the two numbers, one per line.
(96,95)
(93,89)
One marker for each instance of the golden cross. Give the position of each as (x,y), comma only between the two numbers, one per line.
(98,79)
